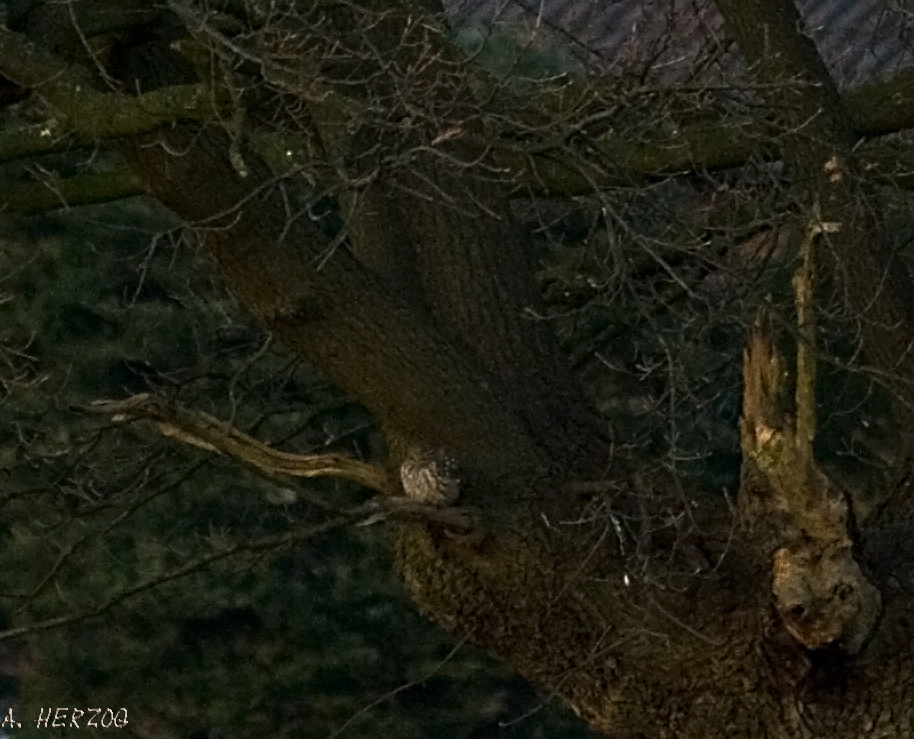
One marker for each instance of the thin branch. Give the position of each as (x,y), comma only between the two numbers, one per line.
(803,285)
(369,512)
(290,538)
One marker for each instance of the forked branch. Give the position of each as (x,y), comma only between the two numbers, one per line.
(820,592)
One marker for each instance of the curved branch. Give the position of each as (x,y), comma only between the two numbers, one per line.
(207,432)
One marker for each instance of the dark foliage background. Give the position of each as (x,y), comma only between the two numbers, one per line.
(107,302)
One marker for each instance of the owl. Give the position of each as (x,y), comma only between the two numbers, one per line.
(430,475)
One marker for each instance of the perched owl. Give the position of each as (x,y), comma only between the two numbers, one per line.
(429,475)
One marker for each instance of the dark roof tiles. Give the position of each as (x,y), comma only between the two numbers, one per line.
(859,39)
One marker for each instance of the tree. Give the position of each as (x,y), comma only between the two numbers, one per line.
(583,550)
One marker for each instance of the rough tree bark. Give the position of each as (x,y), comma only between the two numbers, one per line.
(672,630)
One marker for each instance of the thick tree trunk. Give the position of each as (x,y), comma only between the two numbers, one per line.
(450,217)
(327,306)
(642,609)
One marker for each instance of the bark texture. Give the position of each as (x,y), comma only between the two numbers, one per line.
(648,607)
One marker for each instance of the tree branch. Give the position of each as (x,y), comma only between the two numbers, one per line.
(803,285)
(207,432)
(820,592)
(86,110)
(312,293)
(86,189)
(876,108)
(819,143)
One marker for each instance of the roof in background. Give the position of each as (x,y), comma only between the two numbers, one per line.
(677,39)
